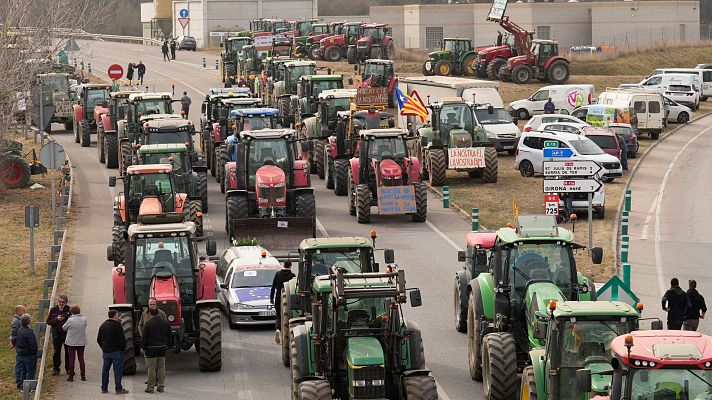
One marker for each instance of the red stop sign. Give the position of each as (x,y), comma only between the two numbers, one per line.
(116,71)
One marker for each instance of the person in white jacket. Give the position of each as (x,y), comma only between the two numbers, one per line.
(76,327)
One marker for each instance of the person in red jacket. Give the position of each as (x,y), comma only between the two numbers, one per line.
(57,317)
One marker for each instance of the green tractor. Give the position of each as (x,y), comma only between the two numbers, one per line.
(357,341)
(281,91)
(306,101)
(531,264)
(457,57)
(454,140)
(232,51)
(61,98)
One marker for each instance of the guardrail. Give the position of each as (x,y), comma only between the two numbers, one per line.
(81,34)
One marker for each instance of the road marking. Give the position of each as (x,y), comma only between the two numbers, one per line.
(658,210)
(321,228)
(648,218)
(442,235)
(441,392)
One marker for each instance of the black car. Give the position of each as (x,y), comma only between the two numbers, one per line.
(187,43)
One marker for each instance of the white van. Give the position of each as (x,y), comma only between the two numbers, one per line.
(662,81)
(705,75)
(647,104)
(565,97)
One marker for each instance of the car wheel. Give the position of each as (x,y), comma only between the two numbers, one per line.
(683,118)
(522,114)
(526,168)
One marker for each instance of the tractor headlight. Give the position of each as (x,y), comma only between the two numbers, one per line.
(171,318)
(359,383)
(262,185)
(491,135)
(377,382)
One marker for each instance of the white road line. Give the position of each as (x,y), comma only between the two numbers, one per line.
(442,235)
(441,393)
(648,218)
(658,209)
(321,228)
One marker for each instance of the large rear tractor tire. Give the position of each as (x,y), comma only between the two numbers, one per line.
(351,55)
(351,196)
(443,68)
(285,311)
(195,208)
(341,177)
(69,125)
(111,150)
(421,203)
(459,309)
(521,74)
(376,52)
(332,54)
(202,183)
(421,387)
(363,204)
(314,390)
(119,244)
(210,153)
(126,320)
(85,133)
(305,205)
(15,171)
(318,159)
(313,52)
(218,164)
(126,156)
(100,145)
(210,352)
(493,68)
(475,311)
(468,65)
(499,366)
(438,167)
(490,171)
(236,207)
(558,72)
(528,385)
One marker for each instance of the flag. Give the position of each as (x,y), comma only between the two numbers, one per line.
(408,105)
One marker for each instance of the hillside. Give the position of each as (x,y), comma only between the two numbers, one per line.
(643,62)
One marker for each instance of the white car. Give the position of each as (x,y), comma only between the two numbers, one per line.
(570,127)
(630,86)
(580,203)
(683,94)
(677,112)
(535,121)
(530,153)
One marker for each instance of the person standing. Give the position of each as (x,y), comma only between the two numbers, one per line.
(57,317)
(275,294)
(26,351)
(624,151)
(676,304)
(145,316)
(697,308)
(185,104)
(15,325)
(549,107)
(76,341)
(113,343)
(568,200)
(173,48)
(164,49)
(130,73)
(154,340)
(141,69)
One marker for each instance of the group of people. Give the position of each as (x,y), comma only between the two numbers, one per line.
(140,71)
(169,45)
(684,309)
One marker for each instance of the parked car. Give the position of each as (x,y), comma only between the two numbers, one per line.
(631,139)
(565,98)
(661,82)
(683,94)
(537,120)
(677,112)
(705,74)
(604,138)
(187,43)
(570,127)
(530,153)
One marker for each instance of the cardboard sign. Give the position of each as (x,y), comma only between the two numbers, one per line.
(396,200)
(551,204)
(372,96)
(468,157)
(263,42)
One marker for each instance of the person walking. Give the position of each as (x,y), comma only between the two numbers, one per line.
(130,73)
(676,304)
(58,316)
(185,104)
(275,294)
(549,107)
(113,343)
(76,341)
(624,151)
(141,70)
(173,48)
(26,351)
(154,340)
(164,49)
(15,325)
(697,308)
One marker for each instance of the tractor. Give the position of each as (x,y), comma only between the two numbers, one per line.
(386,176)
(230,55)
(456,57)
(168,129)
(380,73)
(15,171)
(302,27)
(476,261)
(349,33)
(654,365)
(162,262)
(84,124)
(268,190)
(357,342)
(61,98)
(542,62)
(306,102)
(514,42)
(106,132)
(309,45)
(282,91)
(531,264)
(455,141)
(273,71)
(375,42)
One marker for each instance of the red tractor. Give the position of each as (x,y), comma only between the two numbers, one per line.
(380,73)
(543,62)
(85,120)
(349,33)
(514,42)
(376,42)
(386,176)
(107,131)
(162,262)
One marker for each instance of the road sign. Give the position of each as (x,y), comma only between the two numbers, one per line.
(557,153)
(71,45)
(571,168)
(616,290)
(396,200)
(183,13)
(52,155)
(183,22)
(571,185)
(551,204)
(32,217)
(551,143)
(115,71)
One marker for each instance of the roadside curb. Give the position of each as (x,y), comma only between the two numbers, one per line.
(458,210)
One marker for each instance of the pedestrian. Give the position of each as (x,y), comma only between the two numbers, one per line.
(275,294)
(26,351)
(76,341)
(113,343)
(228,84)
(568,205)
(145,316)
(164,49)
(15,325)
(130,73)
(154,340)
(676,304)
(185,104)
(173,48)
(697,308)
(141,69)
(549,107)
(58,316)
(624,151)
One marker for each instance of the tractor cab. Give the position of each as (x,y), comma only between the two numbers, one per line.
(168,131)
(372,33)
(92,95)
(457,47)
(543,50)
(147,181)
(252,119)
(455,124)
(293,70)
(319,29)
(331,102)
(311,85)
(234,45)
(378,73)
(145,104)
(174,154)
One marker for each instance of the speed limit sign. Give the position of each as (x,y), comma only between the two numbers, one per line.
(551,204)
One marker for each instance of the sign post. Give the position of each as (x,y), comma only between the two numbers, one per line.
(32,221)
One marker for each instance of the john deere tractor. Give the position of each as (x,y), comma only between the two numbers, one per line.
(476,258)
(307,97)
(456,57)
(357,342)
(283,90)
(531,264)
(139,105)
(232,51)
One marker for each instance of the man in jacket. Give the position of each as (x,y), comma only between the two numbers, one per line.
(275,294)
(113,343)
(141,70)
(549,107)
(156,333)
(173,48)
(26,350)
(146,315)
(15,325)
(676,304)
(697,308)
(58,315)
(185,104)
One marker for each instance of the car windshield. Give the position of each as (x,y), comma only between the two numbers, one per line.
(679,88)
(336,105)
(499,116)
(585,147)
(157,106)
(168,137)
(604,141)
(540,261)
(351,260)
(258,277)
(669,383)
(387,146)
(164,256)
(175,159)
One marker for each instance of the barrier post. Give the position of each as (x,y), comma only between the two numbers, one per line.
(475,219)
(446,197)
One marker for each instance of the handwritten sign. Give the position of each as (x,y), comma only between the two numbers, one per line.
(468,157)
(372,96)
(396,200)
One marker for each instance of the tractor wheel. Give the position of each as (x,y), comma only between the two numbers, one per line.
(111,149)
(210,153)
(318,159)
(505,75)
(558,72)
(351,55)
(421,203)
(237,207)
(468,65)
(351,194)
(459,309)
(443,68)
(499,366)
(438,167)
(314,390)
(15,171)
(391,51)
(489,172)
(100,145)
(475,311)
(313,52)
(85,133)
(493,68)
(126,320)
(285,341)
(118,221)
(428,68)
(210,352)
(341,177)
(75,130)
(363,204)
(293,364)
(332,54)
(218,168)
(220,159)
(202,183)
(376,52)
(126,155)
(194,208)
(521,74)
(119,244)
(329,170)
(305,205)
(528,385)
(421,387)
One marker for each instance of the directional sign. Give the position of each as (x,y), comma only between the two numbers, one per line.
(184,22)
(183,13)
(557,153)
(616,290)
(551,143)
(115,71)
(571,168)
(571,185)
(71,45)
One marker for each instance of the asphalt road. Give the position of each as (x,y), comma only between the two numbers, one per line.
(252,366)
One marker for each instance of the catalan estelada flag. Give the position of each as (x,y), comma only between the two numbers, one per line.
(409,105)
